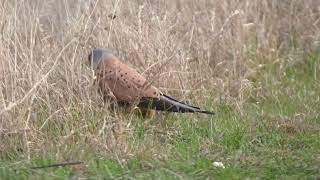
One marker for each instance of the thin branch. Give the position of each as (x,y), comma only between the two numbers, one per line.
(59,165)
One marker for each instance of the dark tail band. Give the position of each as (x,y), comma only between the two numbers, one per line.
(166,103)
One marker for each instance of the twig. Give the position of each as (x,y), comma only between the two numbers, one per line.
(58,165)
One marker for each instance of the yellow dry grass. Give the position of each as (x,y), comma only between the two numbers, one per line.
(206,51)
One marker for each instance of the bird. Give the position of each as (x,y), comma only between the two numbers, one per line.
(128,86)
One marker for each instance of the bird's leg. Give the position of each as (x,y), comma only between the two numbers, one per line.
(147,113)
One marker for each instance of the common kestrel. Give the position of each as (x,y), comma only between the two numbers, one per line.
(129,87)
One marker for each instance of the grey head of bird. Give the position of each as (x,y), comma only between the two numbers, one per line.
(97,55)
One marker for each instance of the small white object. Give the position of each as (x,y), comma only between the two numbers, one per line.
(218,164)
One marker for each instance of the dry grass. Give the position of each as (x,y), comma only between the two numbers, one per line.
(206,51)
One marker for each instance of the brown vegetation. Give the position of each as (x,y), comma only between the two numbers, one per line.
(206,51)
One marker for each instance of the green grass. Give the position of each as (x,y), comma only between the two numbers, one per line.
(276,137)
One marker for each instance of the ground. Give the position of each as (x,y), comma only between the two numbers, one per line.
(255,64)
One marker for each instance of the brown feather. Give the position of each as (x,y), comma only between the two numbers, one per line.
(125,83)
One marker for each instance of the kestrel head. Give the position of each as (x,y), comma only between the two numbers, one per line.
(98,54)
